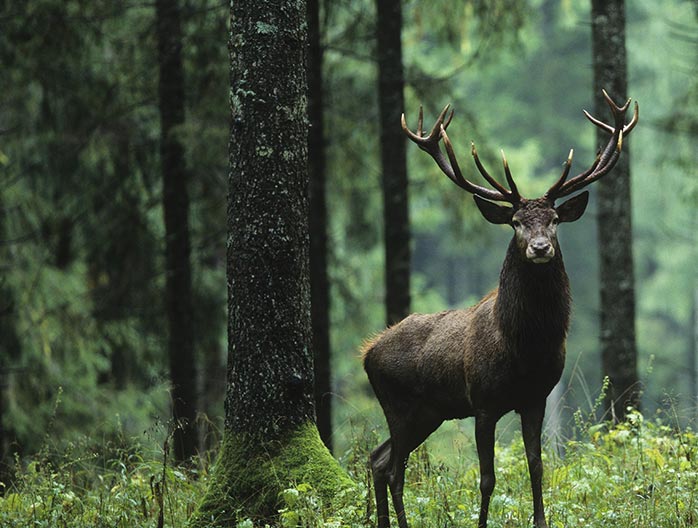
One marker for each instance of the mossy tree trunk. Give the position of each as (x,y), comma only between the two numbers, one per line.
(618,344)
(393,160)
(271,440)
(175,199)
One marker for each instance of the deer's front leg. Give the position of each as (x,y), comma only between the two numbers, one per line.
(484,438)
(531,427)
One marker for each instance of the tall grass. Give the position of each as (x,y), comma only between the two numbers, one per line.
(641,473)
(119,483)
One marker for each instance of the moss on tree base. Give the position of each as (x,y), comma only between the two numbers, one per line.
(248,476)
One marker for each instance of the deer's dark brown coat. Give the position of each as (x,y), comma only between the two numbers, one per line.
(505,353)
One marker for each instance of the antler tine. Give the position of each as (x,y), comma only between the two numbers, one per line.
(590,176)
(494,183)
(420,122)
(607,157)
(614,107)
(430,143)
(500,195)
(426,142)
(575,183)
(449,166)
(448,121)
(414,137)
(565,172)
(436,129)
(457,178)
(626,129)
(636,117)
(510,180)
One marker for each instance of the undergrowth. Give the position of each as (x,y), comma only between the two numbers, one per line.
(640,473)
(115,486)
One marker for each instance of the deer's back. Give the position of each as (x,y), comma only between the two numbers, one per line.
(423,359)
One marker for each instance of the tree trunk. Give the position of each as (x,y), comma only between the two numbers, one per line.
(618,347)
(176,210)
(692,350)
(271,440)
(5,459)
(9,353)
(319,283)
(393,161)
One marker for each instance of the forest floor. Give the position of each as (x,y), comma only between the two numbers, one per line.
(640,473)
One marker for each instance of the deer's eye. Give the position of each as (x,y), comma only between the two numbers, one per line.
(516,224)
(555,221)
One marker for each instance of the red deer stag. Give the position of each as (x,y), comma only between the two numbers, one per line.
(505,353)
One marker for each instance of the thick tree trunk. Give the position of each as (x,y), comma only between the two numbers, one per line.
(269,341)
(618,347)
(271,441)
(393,160)
(176,211)
(319,283)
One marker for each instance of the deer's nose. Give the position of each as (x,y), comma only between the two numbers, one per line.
(540,250)
(541,246)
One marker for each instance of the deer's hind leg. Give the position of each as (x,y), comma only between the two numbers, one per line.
(389,460)
(380,465)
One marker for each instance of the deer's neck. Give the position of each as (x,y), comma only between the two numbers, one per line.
(533,302)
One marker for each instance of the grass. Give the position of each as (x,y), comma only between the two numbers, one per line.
(114,487)
(637,474)
(641,473)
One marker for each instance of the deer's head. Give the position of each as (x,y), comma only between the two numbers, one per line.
(534,221)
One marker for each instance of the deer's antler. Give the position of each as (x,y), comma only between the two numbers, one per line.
(606,159)
(449,166)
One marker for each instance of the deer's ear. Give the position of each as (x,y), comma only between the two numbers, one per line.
(494,213)
(573,208)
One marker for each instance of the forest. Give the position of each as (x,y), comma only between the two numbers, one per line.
(209,212)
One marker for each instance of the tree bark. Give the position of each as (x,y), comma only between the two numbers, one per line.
(269,341)
(393,160)
(10,350)
(271,440)
(319,282)
(618,346)
(176,211)
(692,350)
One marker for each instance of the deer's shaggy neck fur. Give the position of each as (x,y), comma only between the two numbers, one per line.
(533,303)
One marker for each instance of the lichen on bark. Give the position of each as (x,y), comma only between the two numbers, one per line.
(270,441)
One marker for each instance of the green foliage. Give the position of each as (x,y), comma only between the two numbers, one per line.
(81,228)
(644,471)
(640,473)
(105,485)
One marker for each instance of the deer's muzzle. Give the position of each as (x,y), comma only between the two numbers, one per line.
(540,251)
